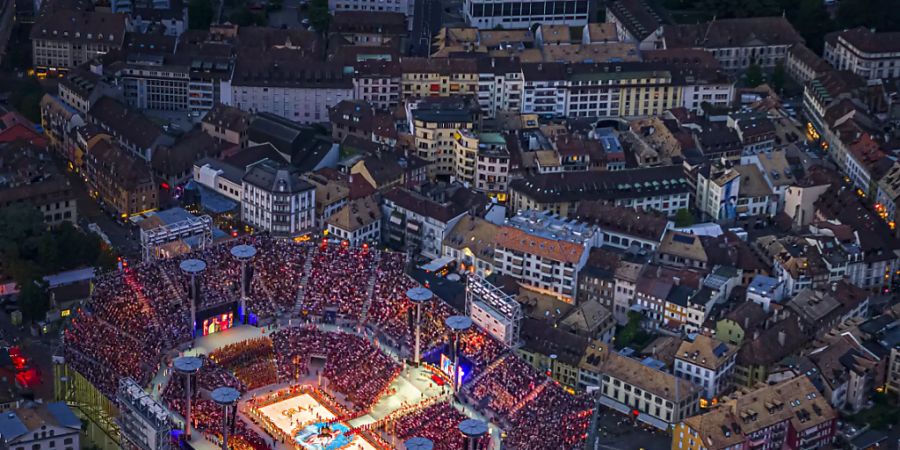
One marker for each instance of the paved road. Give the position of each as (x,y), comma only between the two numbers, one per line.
(426,23)
(123,238)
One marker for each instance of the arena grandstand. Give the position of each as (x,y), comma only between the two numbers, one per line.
(325,352)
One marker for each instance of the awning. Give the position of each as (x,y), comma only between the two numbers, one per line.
(610,403)
(413,226)
(438,264)
(396,219)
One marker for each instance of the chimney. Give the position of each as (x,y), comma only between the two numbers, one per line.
(676,281)
(755,335)
(781,337)
(746,323)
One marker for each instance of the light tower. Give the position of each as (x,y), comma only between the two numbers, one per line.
(187,366)
(244,253)
(227,397)
(473,430)
(419,443)
(457,325)
(419,296)
(192,268)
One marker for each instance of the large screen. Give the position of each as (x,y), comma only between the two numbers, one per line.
(218,323)
(447,368)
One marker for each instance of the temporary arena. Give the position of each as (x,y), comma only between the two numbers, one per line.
(320,343)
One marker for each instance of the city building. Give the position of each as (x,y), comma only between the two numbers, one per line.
(420,222)
(36,426)
(129,128)
(385,170)
(471,244)
(277,199)
(544,252)
(65,39)
(664,189)
(736,43)
(653,396)
(404,7)
(122,181)
(434,123)
(871,55)
(707,363)
(29,175)
(624,228)
(286,83)
(764,291)
(790,415)
(358,222)
(845,369)
(490,14)
(804,65)
(635,20)
(226,123)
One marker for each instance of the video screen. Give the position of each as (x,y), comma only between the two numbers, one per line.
(218,323)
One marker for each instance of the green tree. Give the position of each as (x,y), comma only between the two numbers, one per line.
(882,15)
(778,77)
(812,22)
(631,332)
(684,218)
(319,17)
(33,300)
(753,76)
(200,14)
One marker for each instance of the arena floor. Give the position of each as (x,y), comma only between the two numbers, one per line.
(303,409)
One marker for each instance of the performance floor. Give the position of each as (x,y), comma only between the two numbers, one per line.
(304,409)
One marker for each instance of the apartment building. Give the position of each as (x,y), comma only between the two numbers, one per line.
(38,426)
(189,80)
(482,161)
(275,198)
(285,83)
(634,19)
(491,14)
(664,189)
(707,363)
(871,55)
(417,221)
(31,177)
(736,43)
(653,396)
(435,123)
(788,415)
(227,124)
(123,181)
(803,65)
(471,244)
(377,83)
(65,39)
(131,130)
(544,252)
(358,222)
(404,7)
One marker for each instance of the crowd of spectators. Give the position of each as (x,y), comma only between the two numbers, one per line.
(353,366)
(339,279)
(438,422)
(537,412)
(252,361)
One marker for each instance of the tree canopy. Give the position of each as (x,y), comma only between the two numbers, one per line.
(200,14)
(319,17)
(29,250)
